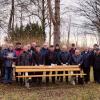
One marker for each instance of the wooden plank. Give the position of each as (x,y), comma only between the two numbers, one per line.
(29,76)
(45,70)
(46,67)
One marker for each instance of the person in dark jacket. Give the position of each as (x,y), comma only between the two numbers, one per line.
(57,54)
(1,62)
(38,62)
(86,64)
(25,59)
(33,46)
(65,58)
(51,61)
(57,57)
(9,56)
(44,53)
(18,51)
(77,59)
(97,65)
(93,53)
(73,48)
(4,50)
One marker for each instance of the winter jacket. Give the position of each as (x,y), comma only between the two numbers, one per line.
(8,58)
(44,54)
(65,57)
(86,59)
(97,61)
(24,59)
(77,60)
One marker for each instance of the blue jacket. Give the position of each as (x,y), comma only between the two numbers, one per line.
(57,57)
(7,62)
(65,57)
(76,60)
(44,54)
(86,59)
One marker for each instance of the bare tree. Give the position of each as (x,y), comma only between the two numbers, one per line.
(90,9)
(55,17)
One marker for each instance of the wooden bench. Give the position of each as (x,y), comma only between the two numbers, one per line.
(63,68)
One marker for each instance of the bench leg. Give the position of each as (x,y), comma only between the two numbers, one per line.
(27,85)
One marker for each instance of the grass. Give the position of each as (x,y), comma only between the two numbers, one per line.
(60,91)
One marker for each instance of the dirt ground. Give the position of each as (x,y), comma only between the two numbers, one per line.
(60,91)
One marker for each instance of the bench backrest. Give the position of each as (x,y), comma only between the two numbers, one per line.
(46,68)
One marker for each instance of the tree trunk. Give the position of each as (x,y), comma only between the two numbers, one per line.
(11,19)
(99,37)
(57,24)
(55,20)
(43,17)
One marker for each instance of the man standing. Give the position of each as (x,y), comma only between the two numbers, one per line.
(51,61)
(38,61)
(86,64)
(44,53)
(73,48)
(97,65)
(18,51)
(8,57)
(65,58)
(1,62)
(77,59)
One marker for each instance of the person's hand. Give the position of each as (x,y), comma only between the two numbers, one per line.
(79,64)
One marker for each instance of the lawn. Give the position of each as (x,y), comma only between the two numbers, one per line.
(52,92)
(60,91)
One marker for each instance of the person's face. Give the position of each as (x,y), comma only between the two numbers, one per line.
(98,52)
(45,46)
(57,47)
(51,49)
(29,46)
(77,52)
(34,44)
(11,47)
(18,46)
(64,48)
(38,49)
(86,49)
(25,48)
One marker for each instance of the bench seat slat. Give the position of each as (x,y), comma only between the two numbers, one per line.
(46,67)
(45,70)
(30,76)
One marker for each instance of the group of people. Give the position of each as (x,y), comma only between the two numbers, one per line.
(33,54)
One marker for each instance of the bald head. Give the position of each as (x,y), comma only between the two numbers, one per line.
(64,48)
(77,52)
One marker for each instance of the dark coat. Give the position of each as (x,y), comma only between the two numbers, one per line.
(50,57)
(65,57)
(86,59)
(44,54)
(92,57)
(77,60)
(1,58)
(57,57)
(37,58)
(24,59)
(97,61)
